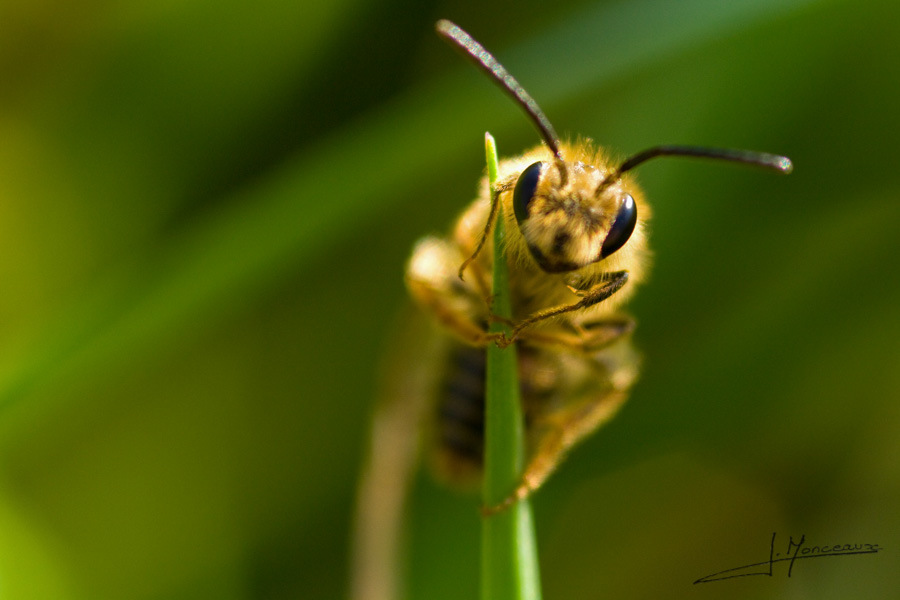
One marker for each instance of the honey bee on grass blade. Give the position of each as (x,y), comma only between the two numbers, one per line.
(576,248)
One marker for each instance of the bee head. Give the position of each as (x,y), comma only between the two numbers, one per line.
(571,215)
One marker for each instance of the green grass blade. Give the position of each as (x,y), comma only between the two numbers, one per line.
(509,567)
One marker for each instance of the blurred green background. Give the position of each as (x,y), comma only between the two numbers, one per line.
(205,208)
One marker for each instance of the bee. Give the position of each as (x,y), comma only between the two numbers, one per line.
(576,246)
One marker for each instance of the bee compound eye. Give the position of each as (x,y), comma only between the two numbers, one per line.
(526,187)
(622,227)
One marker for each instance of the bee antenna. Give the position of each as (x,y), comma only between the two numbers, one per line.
(484,60)
(774,162)
(782,164)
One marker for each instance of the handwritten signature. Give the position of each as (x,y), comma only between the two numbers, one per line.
(795,551)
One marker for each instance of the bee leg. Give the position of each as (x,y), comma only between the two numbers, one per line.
(588,337)
(446,309)
(597,335)
(488,227)
(498,189)
(596,294)
(555,437)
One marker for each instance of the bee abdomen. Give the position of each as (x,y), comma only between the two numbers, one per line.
(460,414)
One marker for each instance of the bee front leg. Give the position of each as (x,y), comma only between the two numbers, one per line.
(611,284)
(498,189)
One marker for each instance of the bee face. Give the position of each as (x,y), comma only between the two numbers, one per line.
(571,214)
